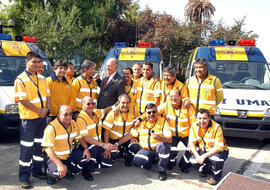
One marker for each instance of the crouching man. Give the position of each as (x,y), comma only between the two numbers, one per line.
(59,141)
(208,147)
(154,138)
(90,124)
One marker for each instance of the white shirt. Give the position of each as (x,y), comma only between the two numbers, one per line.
(110,78)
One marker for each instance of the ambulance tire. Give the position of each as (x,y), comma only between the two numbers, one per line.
(2,136)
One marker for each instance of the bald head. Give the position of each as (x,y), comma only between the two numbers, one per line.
(86,99)
(88,104)
(63,108)
(174,91)
(175,97)
(65,115)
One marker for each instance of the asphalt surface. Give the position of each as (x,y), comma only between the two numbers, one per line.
(247,157)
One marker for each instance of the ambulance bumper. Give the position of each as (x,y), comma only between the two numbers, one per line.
(256,128)
(9,124)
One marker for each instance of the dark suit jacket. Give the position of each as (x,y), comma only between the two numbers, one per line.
(109,95)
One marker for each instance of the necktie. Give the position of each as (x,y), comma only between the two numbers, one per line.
(105,82)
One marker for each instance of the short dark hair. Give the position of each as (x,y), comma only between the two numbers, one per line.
(59,64)
(86,64)
(201,61)
(68,63)
(128,68)
(124,95)
(170,70)
(202,111)
(149,106)
(148,63)
(31,54)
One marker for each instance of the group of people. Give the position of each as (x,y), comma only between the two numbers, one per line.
(78,124)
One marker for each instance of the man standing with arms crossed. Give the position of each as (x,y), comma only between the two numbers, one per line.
(85,85)
(32,94)
(205,90)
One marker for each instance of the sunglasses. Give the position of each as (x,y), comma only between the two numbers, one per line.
(92,103)
(153,112)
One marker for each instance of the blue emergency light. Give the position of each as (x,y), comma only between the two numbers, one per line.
(216,43)
(120,44)
(5,37)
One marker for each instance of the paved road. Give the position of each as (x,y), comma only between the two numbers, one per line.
(248,157)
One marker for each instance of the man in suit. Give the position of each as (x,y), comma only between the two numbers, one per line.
(111,86)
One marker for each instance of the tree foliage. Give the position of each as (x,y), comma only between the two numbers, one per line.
(67,28)
(220,31)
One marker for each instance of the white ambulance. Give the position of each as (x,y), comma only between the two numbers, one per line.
(12,63)
(245,76)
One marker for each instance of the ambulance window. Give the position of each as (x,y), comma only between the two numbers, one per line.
(47,68)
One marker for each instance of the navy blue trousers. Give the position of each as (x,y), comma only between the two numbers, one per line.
(144,158)
(174,151)
(122,151)
(74,163)
(97,160)
(213,164)
(31,159)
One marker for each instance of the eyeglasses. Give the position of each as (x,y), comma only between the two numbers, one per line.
(91,103)
(153,112)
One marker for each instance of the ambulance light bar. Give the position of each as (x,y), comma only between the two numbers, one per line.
(246,43)
(144,44)
(231,43)
(120,44)
(29,39)
(216,43)
(5,37)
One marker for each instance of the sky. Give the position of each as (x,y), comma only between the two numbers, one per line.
(257,15)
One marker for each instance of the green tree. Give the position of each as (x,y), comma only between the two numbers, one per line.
(66,28)
(220,31)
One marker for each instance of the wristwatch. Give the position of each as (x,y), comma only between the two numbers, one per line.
(101,144)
